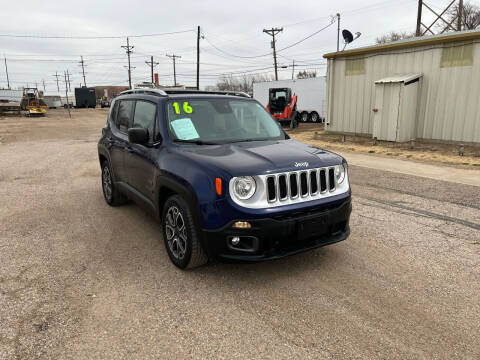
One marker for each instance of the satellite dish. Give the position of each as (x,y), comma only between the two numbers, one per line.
(347,36)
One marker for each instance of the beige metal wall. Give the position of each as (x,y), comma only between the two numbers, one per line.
(449,97)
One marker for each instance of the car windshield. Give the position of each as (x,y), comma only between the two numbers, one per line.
(217,121)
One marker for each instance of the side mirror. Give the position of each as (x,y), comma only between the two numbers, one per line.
(138,135)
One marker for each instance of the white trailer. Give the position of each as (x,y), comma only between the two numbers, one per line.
(71,100)
(53,101)
(10,95)
(311,96)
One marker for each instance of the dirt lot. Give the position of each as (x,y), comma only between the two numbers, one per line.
(423,151)
(80,279)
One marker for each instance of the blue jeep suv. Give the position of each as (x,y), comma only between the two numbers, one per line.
(222,176)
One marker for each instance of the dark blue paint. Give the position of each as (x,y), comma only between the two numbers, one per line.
(193,169)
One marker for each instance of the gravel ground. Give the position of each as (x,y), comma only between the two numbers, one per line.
(80,279)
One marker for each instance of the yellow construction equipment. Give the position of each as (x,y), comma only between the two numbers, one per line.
(32,104)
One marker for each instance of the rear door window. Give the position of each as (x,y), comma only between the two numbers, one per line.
(124,115)
(145,115)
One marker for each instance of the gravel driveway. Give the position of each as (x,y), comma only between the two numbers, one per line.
(79,279)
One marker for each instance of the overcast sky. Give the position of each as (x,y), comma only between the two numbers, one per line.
(231,29)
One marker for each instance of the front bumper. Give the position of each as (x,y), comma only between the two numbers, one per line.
(279,236)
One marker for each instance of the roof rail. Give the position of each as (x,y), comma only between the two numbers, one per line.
(148,91)
(186,91)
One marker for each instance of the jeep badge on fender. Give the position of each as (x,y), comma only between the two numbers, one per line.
(222,176)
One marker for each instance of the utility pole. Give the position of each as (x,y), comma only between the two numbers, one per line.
(338,32)
(82,63)
(68,79)
(418,32)
(272,32)
(66,94)
(152,64)
(6,71)
(58,87)
(128,49)
(173,57)
(293,69)
(460,15)
(43,81)
(36,85)
(198,57)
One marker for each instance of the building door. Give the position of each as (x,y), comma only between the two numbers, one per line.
(386,111)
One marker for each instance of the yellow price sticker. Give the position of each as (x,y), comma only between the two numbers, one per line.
(186,108)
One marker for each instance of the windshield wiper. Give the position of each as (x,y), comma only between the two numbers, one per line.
(196,142)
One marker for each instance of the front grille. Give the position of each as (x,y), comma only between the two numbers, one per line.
(300,184)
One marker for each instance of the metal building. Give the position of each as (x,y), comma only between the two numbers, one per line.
(426,88)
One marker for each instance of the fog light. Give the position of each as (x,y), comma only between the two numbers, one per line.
(235,240)
(242,225)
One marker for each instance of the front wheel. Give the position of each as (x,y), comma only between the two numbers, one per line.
(293,123)
(180,235)
(314,116)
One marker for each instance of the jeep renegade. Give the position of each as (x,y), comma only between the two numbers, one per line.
(222,176)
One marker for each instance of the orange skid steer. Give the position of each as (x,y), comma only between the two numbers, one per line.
(283,106)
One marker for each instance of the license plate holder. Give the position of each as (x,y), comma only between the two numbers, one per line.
(312,227)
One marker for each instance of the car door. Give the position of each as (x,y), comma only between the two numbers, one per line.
(119,138)
(139,158)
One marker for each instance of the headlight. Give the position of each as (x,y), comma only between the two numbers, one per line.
(244,187)
(340,171)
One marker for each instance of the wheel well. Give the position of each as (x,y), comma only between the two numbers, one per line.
(163,195)
(102,159)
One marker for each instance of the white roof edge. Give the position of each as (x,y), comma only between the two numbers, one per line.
(399,78)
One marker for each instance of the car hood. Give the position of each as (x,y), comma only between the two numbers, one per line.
(260,157)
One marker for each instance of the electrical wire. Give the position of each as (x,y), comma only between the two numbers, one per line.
(95,37)
(269,54)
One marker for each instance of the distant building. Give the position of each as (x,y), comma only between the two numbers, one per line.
(426,87)
(108,92)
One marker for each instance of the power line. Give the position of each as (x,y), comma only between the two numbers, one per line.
(268,54)
(308,37)
(93,37)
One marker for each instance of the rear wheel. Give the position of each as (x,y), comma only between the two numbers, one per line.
(112,196)
(314,116)
(304,116)
(180,235)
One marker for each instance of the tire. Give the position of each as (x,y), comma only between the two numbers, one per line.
(293,123)
(304,116)
(185,252)
(314,117)
(112,196)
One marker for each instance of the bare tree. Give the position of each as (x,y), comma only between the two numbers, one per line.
(470,17)
(394,36)
(240,83)
(305,74)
